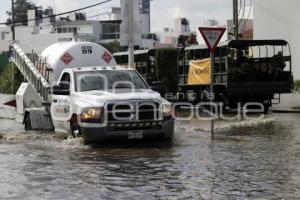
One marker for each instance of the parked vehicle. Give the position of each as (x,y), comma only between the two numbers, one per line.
(245,71)
(255,71)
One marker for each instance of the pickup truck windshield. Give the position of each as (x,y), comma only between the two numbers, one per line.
(108,80)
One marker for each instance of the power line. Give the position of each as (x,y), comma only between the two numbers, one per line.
(249,13)
(244,10)
(240,9)
(60,14)
(105,13)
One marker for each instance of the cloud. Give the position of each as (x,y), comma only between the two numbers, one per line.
(60,5)
(197,11)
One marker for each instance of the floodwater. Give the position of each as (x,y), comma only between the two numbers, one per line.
(247,160)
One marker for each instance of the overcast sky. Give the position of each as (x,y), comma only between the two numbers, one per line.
(163,12)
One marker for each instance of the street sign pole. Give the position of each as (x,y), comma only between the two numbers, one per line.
(212,37)
(212,96)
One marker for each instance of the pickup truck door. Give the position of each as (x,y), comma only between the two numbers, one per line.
(61,104)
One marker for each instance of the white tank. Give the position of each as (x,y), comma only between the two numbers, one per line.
(64,55)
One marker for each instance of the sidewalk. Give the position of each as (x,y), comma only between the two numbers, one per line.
(290,103)
(6,112)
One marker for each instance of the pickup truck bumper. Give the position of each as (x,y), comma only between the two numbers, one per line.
(163,130)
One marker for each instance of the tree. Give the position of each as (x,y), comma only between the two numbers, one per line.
(113,46)
(191,40)
(297,85)
(21,8)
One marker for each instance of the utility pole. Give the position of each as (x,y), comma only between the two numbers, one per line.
(13,31)
(235,19)
(212,92)
(130,34)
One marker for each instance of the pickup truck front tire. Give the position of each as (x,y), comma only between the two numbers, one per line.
(75,130)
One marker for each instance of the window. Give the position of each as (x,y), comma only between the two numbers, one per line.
(75,30)
(110,31)
(108,80)
(65,81)
(59,30)
(145,7)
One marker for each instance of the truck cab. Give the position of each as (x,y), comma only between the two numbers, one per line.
(101,103)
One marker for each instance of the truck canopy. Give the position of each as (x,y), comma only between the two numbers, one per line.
(62,55)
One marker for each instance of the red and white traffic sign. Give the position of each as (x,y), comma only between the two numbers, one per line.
(212,36)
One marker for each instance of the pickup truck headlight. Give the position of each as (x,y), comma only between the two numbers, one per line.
(167,110)
(91,113)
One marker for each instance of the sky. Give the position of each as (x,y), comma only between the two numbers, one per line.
(163,12)
(197,11)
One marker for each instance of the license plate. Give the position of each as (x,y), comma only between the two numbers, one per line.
(135,135)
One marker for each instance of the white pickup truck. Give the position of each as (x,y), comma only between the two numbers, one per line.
(93,97)
(109,103)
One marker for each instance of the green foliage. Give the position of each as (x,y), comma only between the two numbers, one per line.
(6,80)
(297,85)
(21,8)
(3,61)
(166,67)
(113,46)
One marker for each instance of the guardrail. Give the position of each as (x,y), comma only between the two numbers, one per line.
(35,72)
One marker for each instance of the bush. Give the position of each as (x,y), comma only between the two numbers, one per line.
(6,80)
(3,61)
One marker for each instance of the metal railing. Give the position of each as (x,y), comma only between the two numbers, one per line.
(34,69)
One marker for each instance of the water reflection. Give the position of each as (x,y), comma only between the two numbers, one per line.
(244,162)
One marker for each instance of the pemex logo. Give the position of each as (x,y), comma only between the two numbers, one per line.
(106,57)
(66,58)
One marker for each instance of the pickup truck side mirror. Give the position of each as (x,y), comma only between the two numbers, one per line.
(62,89)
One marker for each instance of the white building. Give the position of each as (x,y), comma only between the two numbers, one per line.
(141,15)
(170,36)
(245,29)
(279,19)
(5,38)
(40,34)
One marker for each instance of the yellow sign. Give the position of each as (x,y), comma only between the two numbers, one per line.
(199,72)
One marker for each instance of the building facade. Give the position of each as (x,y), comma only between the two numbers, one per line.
(172,37)
(40,34)
(141,15)
(279,19)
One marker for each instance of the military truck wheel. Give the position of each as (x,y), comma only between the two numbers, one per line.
(266,108)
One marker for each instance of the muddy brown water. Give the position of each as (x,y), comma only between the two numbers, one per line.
(247,160)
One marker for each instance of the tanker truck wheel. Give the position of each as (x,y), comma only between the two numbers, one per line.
(27,122)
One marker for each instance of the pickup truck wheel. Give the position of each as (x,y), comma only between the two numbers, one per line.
(75,130)
(169,138)
(27,122)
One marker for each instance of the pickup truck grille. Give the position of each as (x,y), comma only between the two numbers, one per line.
(140,111)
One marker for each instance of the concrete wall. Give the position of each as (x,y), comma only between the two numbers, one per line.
(38,42)
(277,19)
(4,46)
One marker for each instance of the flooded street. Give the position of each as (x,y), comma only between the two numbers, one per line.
(257,160)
